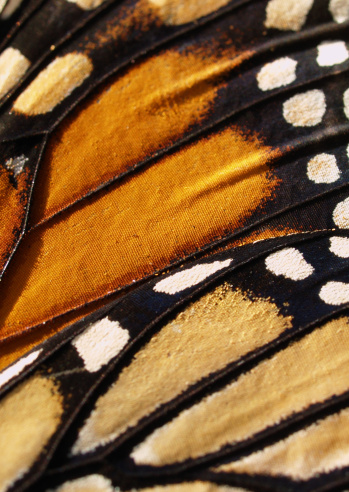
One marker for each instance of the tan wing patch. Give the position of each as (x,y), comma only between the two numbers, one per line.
(176,12)
(307,372)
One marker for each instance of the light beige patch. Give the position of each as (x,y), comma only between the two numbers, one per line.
(90,483)
(287,15)
(176,12)
(191,487)
(29,416)
(341,214)
(223,322)
(319,448)
(53,84)
(307,372)
(12,66)
(306,109)
(323,169)
(339,10)
(276,74)
(87,4)
(10,8)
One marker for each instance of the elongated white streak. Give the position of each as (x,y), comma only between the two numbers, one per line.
(18,367)
(188,278)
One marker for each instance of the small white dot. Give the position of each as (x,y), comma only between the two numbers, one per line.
(290,263)
(341,214)
(332,53)
(287,15)
(306,109)
(335,293)
(277,74)
(323,169)
(346,103)
(339,246)
(339,10)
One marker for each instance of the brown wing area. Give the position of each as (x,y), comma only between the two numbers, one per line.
(176,207)
(135,116)
(14,193)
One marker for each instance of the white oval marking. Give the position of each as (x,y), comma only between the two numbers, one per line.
(12,66)
(335,293)
(340,246)
(346,103)
(277,74)
(332,53)
(290,263)
(56,82)
(339,10)
(99,343)
(306,109)
(287,15)
(18,367)
(323,169)
(188,278)
(95,482)
(87,4)
(341,214)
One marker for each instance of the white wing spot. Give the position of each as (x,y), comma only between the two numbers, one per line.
(339,10)
(306,109)
(332,53)
(340,246)
(188,278)
(323,169)
(90,483)
(335,293)
(99,343)
(12,66)
(287,15)
(277,74)
(341,214)
(346,103)
(15,369)
(290,263)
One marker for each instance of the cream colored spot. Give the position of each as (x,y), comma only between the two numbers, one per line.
(10,8)
(176,12)
(29,416)
(18,367)
(223,322)
(305,109)
(87,4)
(287,15)
(323,169)
(339,10)
(53,84)
(101,342)
(340,246)
(346,103)
(290,263)
(188,278)
(307,372)
(319,448)
(191,487)
(277,74)
(332,53)
(335,293)
(91,483)
(12,66)
(341,214)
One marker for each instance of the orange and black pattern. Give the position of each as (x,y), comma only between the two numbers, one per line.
(174,248)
